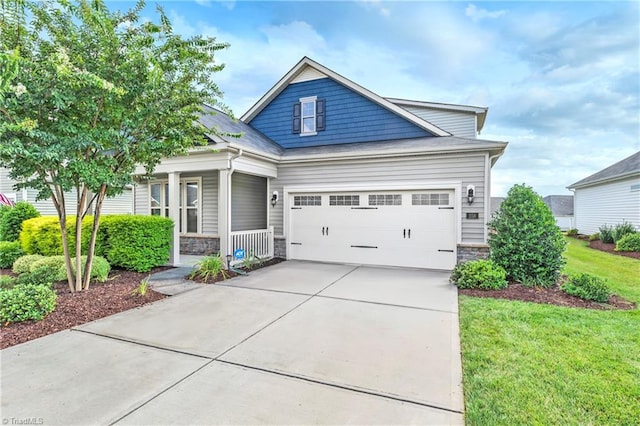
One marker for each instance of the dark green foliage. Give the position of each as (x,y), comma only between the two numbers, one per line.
(525,239)
(209,268)
(572,232)
(23,264)
(40,276)
(137,243)
(26,302)
(11,219)
(630,242)
(483,274)
(42,235)
(606,234)
(621,230)
(9,252)
(6,282)
(588,287)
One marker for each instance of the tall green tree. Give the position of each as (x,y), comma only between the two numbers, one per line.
(96,93)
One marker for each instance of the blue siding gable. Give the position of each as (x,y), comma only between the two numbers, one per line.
(350,117)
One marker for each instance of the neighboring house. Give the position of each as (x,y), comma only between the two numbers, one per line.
(327,170)
(562,208)
(608,197)
(121,204)
(496,202)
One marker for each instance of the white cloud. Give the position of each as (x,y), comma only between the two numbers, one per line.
(204,2)
(478,14)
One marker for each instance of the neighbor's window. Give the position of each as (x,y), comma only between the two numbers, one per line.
(189,207)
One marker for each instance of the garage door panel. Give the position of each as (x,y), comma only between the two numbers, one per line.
(399,234)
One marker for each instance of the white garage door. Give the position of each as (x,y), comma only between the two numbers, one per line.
(402,228)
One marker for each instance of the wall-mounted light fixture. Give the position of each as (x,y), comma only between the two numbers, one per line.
(471,192)
(274,198)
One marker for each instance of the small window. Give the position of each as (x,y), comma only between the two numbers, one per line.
(309,116)
(431,199)
(344,200)
(385,200)
(307,200)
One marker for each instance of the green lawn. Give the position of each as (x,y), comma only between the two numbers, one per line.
(526,363)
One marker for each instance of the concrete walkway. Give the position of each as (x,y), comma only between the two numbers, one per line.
(294,343)
(173,281)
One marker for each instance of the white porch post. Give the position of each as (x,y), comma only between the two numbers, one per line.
(224,211)
(174,214)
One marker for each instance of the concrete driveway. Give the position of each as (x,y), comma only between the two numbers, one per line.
(295,343)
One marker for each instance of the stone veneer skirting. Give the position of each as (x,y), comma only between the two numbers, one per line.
(199,245)
(280,247)
(467,252)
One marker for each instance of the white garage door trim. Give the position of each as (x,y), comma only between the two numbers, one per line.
(455,186)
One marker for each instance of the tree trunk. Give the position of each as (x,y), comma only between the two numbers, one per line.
(58,202)
(82,197)
(94,235)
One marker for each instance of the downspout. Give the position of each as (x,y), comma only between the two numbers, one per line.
(231,170)
(487,186)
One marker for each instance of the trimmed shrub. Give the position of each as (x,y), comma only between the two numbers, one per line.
(606,234)
(630,242)
(621,230)
(525,239)
(40,276)
(100,268)
(42,235)
(12,218)
(594,237)
(137,243)
(6,282)
(483,274)
(9,252)
(26,302)
(23,264)
(53,266)
(588,287)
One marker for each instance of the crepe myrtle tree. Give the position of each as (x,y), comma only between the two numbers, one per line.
(97,92)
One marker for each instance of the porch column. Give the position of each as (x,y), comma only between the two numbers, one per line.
(174,214)
(224,212)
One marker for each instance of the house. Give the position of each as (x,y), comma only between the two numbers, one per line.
(327,170)
(562,208)
(496,202)
(608,197)
(121,204)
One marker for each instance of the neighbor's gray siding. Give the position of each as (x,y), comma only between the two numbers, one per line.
(45,207)
(209,195)
(468,168)
(607,204)
(458,123)
(248,202)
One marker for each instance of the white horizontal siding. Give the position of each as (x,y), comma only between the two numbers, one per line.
(458,123)
(120,204)
(607,204)
(468,168)
(307,75)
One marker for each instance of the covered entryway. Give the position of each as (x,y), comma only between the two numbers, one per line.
(394,228)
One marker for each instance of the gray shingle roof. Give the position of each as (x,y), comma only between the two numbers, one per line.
(627,167)
(560,205)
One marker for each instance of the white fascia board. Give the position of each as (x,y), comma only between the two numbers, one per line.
(439,105)
(284,81)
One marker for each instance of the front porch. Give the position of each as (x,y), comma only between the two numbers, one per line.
(218,201)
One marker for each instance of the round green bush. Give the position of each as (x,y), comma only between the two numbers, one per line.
(630,242)
(483,274)
(10,251)
(23,264)
(53,266)
(100,268)
(588,287)
(525,239)
(26,302)
(12,218)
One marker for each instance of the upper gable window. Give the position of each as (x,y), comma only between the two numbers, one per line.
(309,116)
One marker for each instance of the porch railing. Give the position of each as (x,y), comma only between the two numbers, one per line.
(257,242)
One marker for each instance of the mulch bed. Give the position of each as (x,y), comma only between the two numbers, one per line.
(72,309)
(609,248)
(549,296)
(231,274)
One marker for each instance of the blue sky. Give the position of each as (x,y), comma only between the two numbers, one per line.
(561,79)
